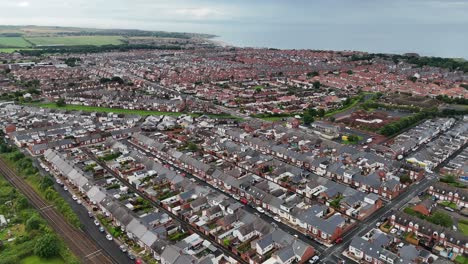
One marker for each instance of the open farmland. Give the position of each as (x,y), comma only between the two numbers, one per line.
(13,42)
(76,40)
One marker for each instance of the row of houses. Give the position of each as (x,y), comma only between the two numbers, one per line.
(215,214)
(320,221)
(151,231)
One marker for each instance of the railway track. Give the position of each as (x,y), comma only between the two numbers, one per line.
(79,243)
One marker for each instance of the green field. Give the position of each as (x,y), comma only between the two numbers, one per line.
(76,40)
(11,50)
(108,110)
(463,228)
(126,111)
(37,260)
(16,42)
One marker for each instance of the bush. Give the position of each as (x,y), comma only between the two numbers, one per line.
(33,223)
(61,102)
(47,246)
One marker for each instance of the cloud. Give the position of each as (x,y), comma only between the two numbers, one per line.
(199,13)
(22,4)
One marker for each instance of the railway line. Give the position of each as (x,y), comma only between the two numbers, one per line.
(80,244)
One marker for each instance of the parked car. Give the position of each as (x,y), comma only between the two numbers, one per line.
(90,215)
(101,229)
(449,209)
(260,209)
(131,256)
(74,197)
(96,222)
(109,237)
(65,188)
(123,248)
(378,224)
(277,219)
(314,259)
(339,240)
(393,231)
(79,201)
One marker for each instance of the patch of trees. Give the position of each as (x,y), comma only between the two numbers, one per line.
(446,63)
(449,100)
(47,246)
(406,122)
(312,74)
(11,35)
(115,79)
(72,61)
(136,33)
(310,114)
(95,49)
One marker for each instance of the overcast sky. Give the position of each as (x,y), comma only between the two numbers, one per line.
(203,15)
(241,16)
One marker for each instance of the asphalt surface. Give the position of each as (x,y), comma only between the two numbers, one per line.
(88,227)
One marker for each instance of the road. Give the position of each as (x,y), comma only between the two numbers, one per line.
(182,221)
(79,243)
(334,252)
(249,208)
(88,226)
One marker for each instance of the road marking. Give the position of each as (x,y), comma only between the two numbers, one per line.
(93,254)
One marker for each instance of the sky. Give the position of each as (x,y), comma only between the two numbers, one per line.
(431,27)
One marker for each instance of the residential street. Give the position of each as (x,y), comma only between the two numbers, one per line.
(319,247)
(110,247)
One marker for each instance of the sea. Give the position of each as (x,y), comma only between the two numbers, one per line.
(426,40)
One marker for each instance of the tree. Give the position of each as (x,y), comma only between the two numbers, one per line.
(307,118)
(33,223)
(192,146)
(61,102)
(312,74)
(353,138)
(321,112)
(316,85)
(50,194)
(21,203)
(405,179)
(17,156)
(45,183)
(47,246)
(349,72)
